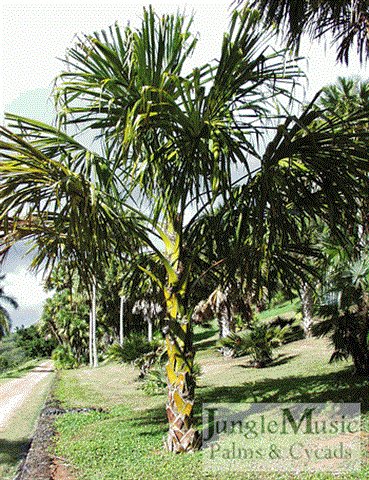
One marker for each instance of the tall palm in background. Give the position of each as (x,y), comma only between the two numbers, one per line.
(346,96)
(5,320)
(344,308)
(346,20)
(171,140)
(345,303)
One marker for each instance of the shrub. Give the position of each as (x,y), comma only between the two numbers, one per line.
(132,348)
(10,354)
(5,363)
(294,331)
(64,358)
(155,380)
(347,333)
(258,342)
(33,343)
(145,362)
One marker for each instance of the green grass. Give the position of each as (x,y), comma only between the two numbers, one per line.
(285,310)
(119,445)
(126,441)
(104,387)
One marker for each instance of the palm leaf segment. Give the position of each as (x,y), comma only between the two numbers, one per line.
(52,195)
(313,171)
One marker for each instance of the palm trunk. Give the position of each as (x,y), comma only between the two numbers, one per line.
(224,313)
(90,333)
(307,308)
(121,326)
(93,314)
(360,356)
(149,329)
(363,351)
(55,333)
(182,436)
(225,322)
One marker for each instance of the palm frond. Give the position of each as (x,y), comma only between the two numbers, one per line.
(347,20)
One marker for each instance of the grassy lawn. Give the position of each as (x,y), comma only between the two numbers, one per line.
(125,441)
(285,310)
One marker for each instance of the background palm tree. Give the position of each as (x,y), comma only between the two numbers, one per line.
(344,307)
(347,20)
(5,320)
(344,302)
(346,96)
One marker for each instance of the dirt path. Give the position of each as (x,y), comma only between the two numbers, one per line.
(14,393)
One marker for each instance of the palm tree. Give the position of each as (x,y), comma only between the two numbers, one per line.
(176,141)
(347,20)
(345,282)
(162,132)
(173,139)
(344,307)
(5,321)
(346,96)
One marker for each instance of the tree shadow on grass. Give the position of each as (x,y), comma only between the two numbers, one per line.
(280,360)
(206,344)
(155,414)
(12,452)
(21,371)
(198,337)
(336,387)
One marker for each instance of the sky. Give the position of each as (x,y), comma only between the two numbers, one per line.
(35,36)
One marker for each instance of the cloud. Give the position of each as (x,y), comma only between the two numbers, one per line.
(26,288)
(25,316)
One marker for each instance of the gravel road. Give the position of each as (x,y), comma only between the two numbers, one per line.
(14,393)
